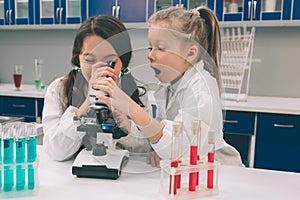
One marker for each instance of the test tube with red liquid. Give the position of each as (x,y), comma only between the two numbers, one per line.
(176,157)
(211,158)
(194,156)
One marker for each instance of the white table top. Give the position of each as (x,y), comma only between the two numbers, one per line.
(266,104)
(235,183)
(26,90)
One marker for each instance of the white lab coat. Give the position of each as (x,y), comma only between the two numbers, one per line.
(61,138)
(196,97)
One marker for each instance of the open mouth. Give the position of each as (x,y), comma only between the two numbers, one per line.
(157,71)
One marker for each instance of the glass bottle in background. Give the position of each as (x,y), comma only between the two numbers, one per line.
(38,64)
(17,75)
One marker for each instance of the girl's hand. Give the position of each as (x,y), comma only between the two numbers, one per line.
(116,97)
(100,70)
(153,159)
(122,120)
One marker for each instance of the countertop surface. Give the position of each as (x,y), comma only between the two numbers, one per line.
(26,90)
(265,104)
(57,182)
(253,104)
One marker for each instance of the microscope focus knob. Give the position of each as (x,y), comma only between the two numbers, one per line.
(99,150)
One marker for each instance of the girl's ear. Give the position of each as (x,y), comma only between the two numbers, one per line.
(192,54)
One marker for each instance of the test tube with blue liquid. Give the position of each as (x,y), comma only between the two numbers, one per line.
(31,153)
(8,156)
(1,135)
(20,155)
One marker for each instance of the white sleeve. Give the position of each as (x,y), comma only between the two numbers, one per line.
(61,139)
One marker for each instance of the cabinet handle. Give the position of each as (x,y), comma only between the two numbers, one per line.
(254,9)
(7,18)
(57,10)
(118,12)
(10,19)
(249,9)
(18,106)
(60,15)
(283,126)
(113,11)
(231,121)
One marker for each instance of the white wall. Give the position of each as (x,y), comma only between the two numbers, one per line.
(277,47)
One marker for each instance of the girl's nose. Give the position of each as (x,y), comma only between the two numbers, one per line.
(151,55)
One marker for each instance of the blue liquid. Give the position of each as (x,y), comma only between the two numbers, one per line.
(31,157)
(20,158)
(0,163)
(8,159)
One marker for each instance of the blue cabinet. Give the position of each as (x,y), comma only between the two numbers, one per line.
(16,12)
(238,130)
(187,4)
(29,108)
(253,10)
(60,11)
(296,10)
(277,142)
(126,10)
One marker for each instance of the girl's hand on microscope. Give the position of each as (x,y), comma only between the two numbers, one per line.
(122,120)
(116,97)
(100,70)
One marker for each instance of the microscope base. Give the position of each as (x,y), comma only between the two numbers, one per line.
(104,167)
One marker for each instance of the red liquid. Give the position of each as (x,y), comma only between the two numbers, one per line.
(17,80)
(176,178)
(210,173)
(193,179)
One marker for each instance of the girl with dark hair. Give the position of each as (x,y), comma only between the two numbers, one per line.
(99,39)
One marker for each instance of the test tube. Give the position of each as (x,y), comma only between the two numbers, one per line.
(211,158)
(20,155)
(8,156)
(175,156)
(31,153)
(1,136)
(194,155)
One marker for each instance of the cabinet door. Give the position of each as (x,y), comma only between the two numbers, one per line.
(60,11)
(20,107)
(132,10)
(97,7)
(275,9)
(161,4)
(23,11)
(7,13)
(296,10)
(277,142)
(238,130)
(196,3)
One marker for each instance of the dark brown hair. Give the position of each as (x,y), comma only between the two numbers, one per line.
(112,30)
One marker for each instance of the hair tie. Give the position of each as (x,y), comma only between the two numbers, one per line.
(76,68)
(195,12)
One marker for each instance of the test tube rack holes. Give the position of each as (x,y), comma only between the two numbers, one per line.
(184,169)
(236,59)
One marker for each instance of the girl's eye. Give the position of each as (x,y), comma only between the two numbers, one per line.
(90,60)
(150,48)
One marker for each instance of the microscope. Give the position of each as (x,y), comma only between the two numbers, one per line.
(100,158)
